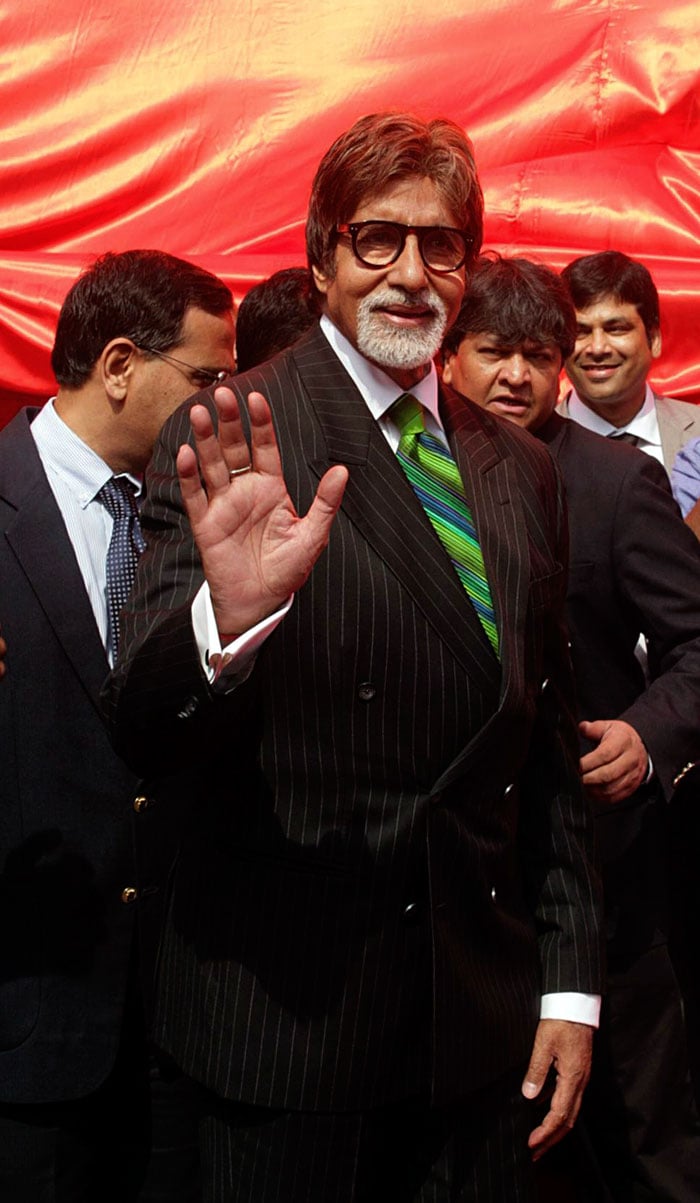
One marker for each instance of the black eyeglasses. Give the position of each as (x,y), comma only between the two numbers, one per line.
(380,243)
(199,377)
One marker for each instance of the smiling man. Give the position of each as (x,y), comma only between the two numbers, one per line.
(634,569)
(618,337)
(383,928)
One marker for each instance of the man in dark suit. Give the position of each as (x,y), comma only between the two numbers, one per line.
(386,858)
(635,568)
(137,332)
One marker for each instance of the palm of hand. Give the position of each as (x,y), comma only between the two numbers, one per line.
(254,547)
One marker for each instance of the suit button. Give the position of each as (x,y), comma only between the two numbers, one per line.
(544,684)
(189,708)
(509,789)
(366,691)
(142,803)
(493,893)
(412,913)
(129,894)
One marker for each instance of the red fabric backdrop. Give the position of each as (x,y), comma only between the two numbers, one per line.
(196,128)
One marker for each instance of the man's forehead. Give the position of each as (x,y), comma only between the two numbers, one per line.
(608,303)
(404,189)
(198,323)
(506,342)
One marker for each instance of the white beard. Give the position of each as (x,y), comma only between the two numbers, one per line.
(395,347)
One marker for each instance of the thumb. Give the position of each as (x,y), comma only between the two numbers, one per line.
(537,1071)
(593,731)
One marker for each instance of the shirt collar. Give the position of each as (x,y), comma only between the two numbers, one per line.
(62,452)
(644,425)
(379,391)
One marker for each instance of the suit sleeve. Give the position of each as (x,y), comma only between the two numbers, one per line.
(657,565)
(556,825)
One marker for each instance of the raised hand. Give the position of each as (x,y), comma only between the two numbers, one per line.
(255,549)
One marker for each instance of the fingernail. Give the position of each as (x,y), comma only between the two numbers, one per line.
(530,1090)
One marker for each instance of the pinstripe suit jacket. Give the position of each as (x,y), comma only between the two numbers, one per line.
(386,852)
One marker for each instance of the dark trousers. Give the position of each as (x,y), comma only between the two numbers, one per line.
(134,1140)
(86,1150)
(637,1139)
(402,1153)
(685,900)
(173,1167)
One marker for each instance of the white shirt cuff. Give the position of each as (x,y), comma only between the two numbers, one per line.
(238,656)
(580,1008)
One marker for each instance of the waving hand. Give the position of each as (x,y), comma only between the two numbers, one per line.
(255,549)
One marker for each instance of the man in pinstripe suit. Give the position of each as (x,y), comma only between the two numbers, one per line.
(382,930)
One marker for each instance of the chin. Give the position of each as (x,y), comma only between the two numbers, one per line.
(405,350)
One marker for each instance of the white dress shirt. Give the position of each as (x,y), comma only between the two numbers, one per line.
(644,425)
(76,474)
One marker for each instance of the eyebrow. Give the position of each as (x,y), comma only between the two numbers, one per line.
(581,324)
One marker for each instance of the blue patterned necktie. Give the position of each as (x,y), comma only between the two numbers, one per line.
(125,547)
(435,479)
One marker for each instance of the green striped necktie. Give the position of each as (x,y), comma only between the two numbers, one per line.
(435,479)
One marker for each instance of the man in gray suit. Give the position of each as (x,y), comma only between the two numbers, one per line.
(382,933)
(617,340)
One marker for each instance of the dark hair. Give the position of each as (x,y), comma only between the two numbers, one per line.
(273,314)
(518,301)
(612,274)
(141,295)
(379,150)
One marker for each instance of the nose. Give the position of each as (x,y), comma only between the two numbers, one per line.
(515,370)
(596,342)
(409,269)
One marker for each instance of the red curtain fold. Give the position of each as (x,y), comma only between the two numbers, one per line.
(198,131)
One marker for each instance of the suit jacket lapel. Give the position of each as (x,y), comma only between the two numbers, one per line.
(40,543)
(382,505)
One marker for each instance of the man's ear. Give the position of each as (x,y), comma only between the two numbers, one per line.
(447,367)
(116,366)
(321,279)
(655,343)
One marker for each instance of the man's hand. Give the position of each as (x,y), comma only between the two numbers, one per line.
(566,1046)
(620,763)
(254,547)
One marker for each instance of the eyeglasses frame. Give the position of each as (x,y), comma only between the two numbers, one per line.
(353,228)
(204,373)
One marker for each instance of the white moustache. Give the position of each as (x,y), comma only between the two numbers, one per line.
(425,299)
